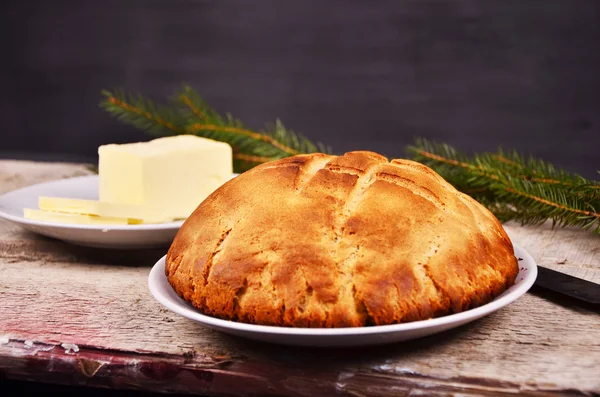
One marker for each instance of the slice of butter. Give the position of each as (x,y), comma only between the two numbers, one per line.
(68,205)
(139,213)
(169,176)
(48,216)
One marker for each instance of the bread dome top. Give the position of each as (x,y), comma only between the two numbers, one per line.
(339,241)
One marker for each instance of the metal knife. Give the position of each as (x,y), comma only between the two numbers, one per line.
(571,286)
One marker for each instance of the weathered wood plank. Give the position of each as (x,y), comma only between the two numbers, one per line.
(567,250)
(15,174)
(54,297)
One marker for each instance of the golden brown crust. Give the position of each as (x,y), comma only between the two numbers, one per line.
(328,241)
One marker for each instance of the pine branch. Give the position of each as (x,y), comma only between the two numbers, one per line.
(142,113)
(538,171)
(542,204)
(514,189)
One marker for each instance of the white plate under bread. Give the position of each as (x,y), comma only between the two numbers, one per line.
(342,337)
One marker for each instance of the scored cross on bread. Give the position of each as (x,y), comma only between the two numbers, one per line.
(339,241)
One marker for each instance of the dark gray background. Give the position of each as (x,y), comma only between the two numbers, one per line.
(523,74)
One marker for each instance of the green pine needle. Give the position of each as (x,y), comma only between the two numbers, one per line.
(529,191)
(143,113)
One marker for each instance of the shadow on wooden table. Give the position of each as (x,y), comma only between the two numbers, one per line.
(345,355)
(24,243)
(565,301)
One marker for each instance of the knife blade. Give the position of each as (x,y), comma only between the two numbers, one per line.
(568,285)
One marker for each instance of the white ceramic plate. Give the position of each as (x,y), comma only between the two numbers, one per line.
(338,337)
(104,236)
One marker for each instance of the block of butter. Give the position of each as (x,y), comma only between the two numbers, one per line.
(76,219)
(166,177)
(146,182)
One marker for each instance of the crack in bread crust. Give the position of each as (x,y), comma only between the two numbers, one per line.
(424,267)
(415,188)
(361,308)
(357,194)
(236,299)
(309,295)
(446,304)
(307,171)
(209,260)
(346,265)
(175,262)
(345,169)
(403,164)
(275,294)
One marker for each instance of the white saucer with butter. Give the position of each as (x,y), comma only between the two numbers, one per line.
(94,235)
(139,199)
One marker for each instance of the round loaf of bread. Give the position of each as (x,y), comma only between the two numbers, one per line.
(339,241)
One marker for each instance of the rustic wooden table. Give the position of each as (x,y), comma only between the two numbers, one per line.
(80,316)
